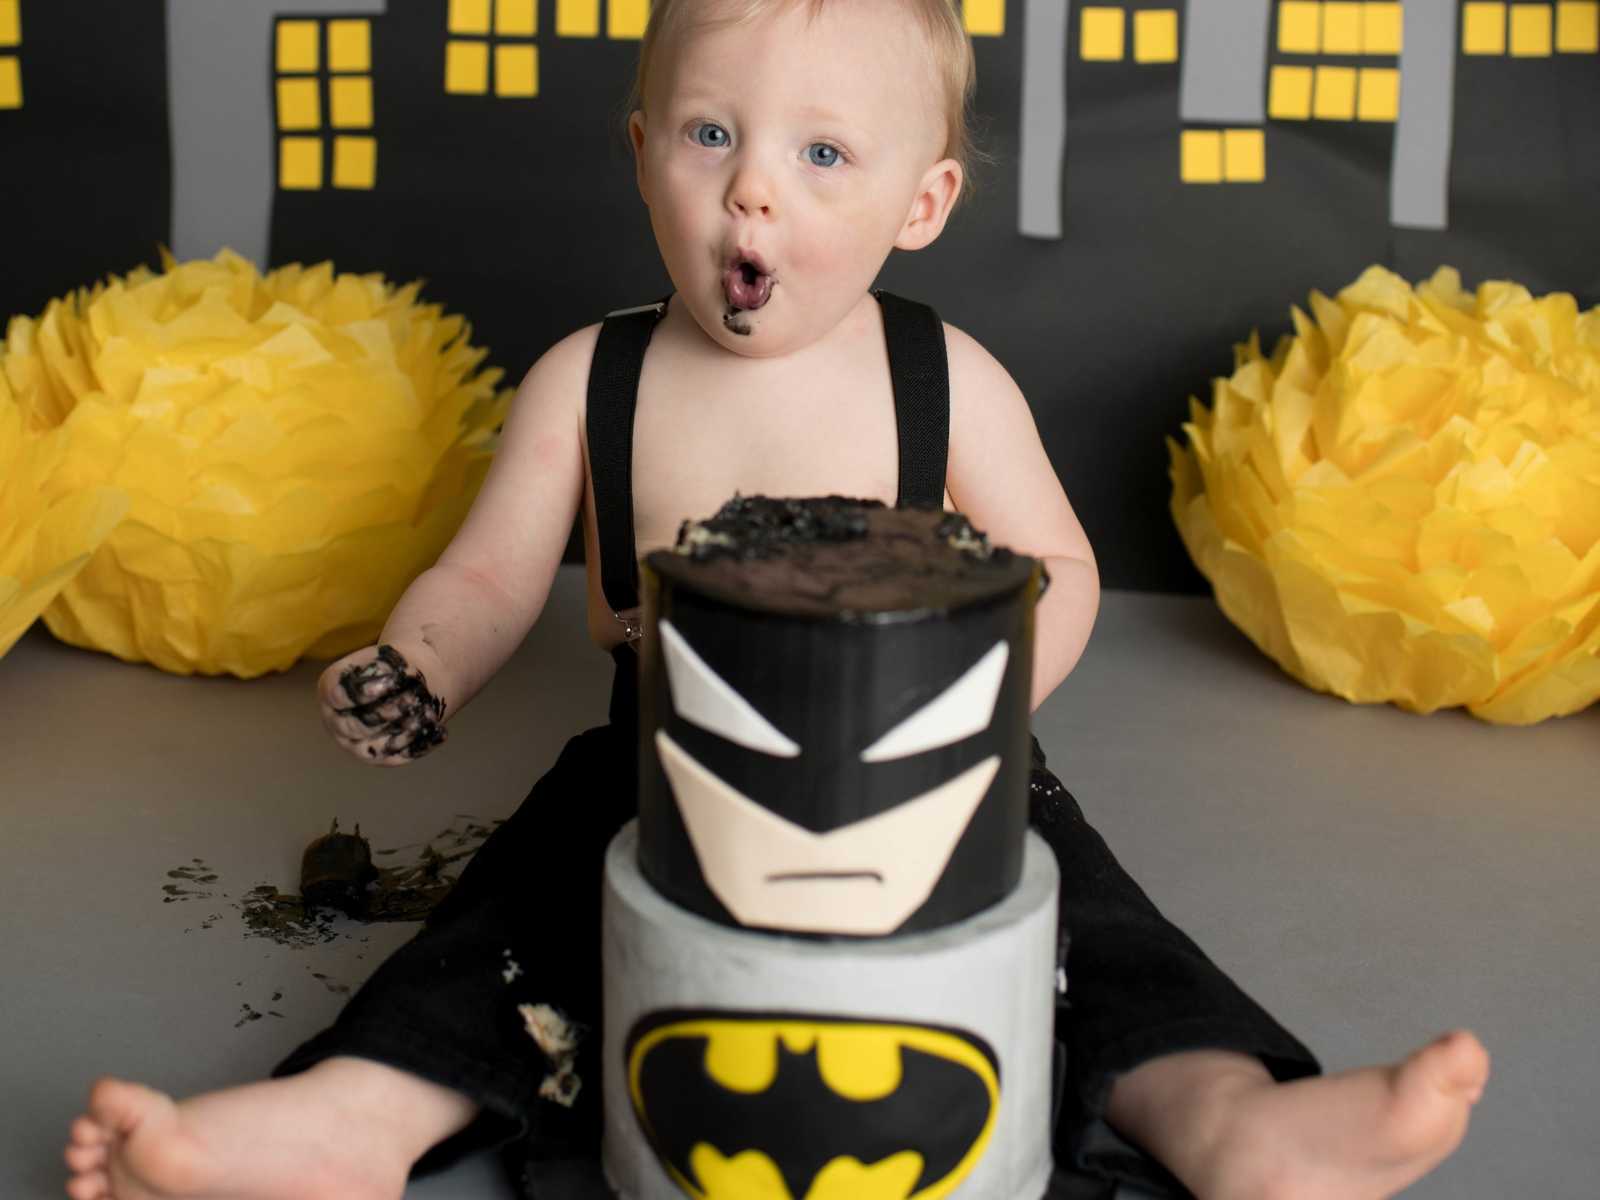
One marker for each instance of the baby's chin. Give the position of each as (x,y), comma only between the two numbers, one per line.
(751,333)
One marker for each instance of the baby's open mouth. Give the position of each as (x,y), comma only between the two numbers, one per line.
(746,285)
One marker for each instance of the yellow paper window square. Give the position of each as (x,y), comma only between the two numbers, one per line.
(516,18)
(1483,28)
(1379,94)
(299,104)
(1299,27)
(10,23)
(355,162)
(349,45)
(10,83)
(1578,27)
(300,163)
(1382,28)
(1341,28)
(1530,31)
(297,46)
(466,68)
(577,18)
(1200,159)
(1335,98)
(1155,35)
(1289,94)
(469,16)
(350,102)
(1244,155)
(1100,39)
(625,19)
(984,18)
(516,71)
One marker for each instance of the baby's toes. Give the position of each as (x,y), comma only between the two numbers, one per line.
(121,1107)
(85,1158)
(1455,1063)
(87,1132)
(92,1186)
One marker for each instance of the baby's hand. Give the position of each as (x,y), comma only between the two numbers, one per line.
(378,707)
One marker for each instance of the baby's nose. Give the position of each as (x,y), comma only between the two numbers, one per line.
(750,192)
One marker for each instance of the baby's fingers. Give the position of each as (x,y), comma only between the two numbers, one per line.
(391,745)
(411,738)
(365,677)
(378,707)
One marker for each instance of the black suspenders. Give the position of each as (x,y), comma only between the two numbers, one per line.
(918,370)
(613,396)
(921,377)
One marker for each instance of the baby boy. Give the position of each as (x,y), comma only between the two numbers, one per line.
(783,149)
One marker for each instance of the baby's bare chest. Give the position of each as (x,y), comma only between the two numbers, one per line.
(700,439)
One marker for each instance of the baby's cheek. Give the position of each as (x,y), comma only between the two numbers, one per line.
(673,235)
(842,239)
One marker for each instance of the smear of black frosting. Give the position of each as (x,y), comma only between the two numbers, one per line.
(836,556)
(748,527)
(406,891)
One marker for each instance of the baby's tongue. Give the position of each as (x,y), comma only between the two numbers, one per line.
(742,292)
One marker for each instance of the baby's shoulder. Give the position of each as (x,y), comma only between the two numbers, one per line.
(567,361)
(558,380)
(976,376)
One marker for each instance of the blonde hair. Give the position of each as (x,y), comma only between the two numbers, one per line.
(946,40)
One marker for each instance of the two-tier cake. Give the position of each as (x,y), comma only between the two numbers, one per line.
(830,938)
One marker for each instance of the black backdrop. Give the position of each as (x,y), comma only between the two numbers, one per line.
(521,214)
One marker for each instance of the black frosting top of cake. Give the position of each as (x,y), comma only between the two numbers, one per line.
(837,557)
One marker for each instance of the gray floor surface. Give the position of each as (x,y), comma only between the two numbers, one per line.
(1371,876)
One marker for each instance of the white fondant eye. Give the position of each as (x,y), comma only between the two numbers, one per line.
(961,710)
(702,697)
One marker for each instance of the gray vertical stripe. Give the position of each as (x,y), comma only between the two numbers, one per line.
(1224,69)
(1419,178)
(224,153)
(1044,117)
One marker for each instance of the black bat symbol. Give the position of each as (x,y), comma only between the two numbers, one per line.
(939,1110)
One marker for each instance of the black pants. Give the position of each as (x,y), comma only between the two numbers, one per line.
(522,925)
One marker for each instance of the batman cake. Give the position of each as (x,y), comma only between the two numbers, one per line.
(829,937)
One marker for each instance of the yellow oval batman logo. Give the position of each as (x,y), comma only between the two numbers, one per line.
(790,1106)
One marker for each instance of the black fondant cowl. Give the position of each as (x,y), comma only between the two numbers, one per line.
(800,713)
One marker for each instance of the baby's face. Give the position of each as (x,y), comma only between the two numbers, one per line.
(780,160)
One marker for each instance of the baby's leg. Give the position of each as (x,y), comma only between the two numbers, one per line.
(347,1129)
(1137,989)
(519,933)
(432,1052)
(1225,1127)
(1168,1059)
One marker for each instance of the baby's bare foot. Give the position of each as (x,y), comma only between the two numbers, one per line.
(348,1129)
(1360,1135)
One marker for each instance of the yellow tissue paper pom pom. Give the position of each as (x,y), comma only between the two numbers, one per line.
(45,538)
(1403,502)
(294,447)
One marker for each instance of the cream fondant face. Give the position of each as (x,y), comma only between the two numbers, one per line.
(863,878)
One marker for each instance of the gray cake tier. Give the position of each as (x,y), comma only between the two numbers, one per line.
(739,1063)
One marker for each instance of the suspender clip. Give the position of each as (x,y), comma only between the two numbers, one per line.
(632,623)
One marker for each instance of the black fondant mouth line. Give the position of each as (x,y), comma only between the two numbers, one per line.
(801,876)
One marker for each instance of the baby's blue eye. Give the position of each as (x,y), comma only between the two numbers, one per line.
(822,155)
(709,134)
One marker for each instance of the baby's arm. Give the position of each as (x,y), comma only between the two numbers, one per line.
(463,617)
(1001,478)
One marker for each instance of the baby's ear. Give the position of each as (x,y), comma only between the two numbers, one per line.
(636,140)
(931,206)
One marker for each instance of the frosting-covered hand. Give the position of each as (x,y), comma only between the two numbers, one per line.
(378,707)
